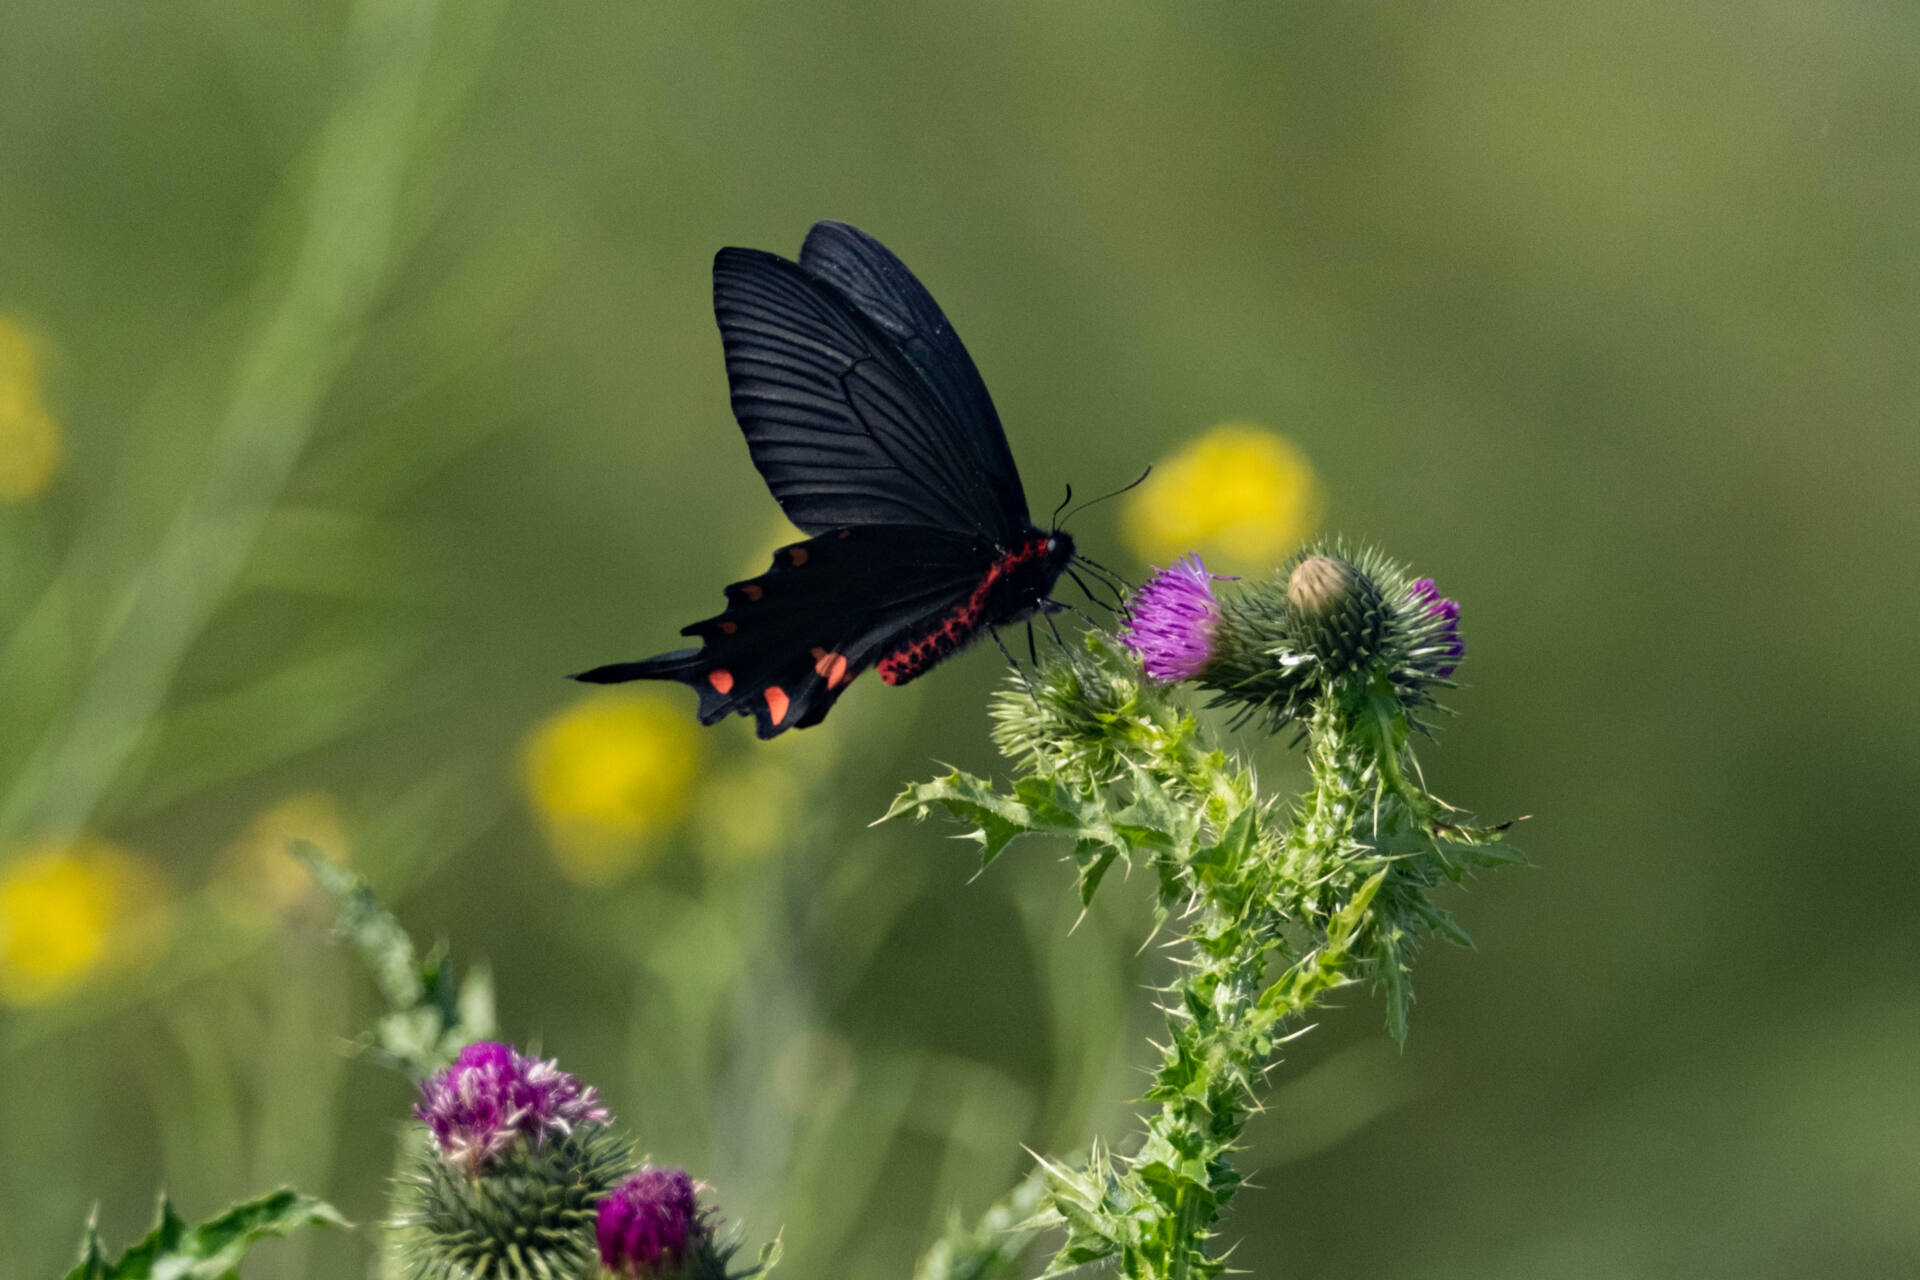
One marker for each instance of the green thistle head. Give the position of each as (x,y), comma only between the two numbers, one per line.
(528,1215)
(1333,621)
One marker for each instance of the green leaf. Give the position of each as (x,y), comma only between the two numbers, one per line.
(211,1251)
(1346,921)
(997,819)
(431,1015)
(92,1262)
(1094,859)
(1224,859)
(769,1258)
(370,927)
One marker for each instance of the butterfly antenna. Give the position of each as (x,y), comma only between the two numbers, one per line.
(1033,650)
(1017,668)
(1135,483)
(1054,519)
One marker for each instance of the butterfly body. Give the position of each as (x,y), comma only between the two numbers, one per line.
(1016,585)
(874,431)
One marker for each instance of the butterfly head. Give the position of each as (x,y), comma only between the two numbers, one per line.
(1057,552)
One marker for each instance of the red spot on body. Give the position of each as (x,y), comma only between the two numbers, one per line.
(776,703)
(721,679)
(728,628)
(798,555)
(752,591)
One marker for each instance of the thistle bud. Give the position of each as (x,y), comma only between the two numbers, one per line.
(1339,615)
(1337,622)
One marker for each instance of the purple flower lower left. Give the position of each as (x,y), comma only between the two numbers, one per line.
(494,1096)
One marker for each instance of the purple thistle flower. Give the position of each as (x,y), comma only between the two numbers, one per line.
(646,1223)
(492,1095)
(1443,619)
(1171,620)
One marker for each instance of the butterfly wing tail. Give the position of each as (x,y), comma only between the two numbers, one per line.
(777,698)
(688,666)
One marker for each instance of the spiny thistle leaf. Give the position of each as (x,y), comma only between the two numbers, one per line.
(211,1251)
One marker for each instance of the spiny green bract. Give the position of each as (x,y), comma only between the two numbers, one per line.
(528,1215)
(1278,907)
(1285,642)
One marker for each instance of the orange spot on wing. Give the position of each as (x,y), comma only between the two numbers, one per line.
(831,666)
(721,679)
(798,555)
(752,591)
(777,702)
(728,628)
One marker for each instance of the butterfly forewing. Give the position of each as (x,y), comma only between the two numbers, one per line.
(839,422)
(879,284)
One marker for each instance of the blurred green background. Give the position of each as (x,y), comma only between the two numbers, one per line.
(358,379)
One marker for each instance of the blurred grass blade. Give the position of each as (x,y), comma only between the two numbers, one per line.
(315,312)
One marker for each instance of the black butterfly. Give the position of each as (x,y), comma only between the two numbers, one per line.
(876,435)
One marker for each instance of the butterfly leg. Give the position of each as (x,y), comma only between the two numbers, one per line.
(1054,627)
(1033,651)
(1017,668)
(1080,582)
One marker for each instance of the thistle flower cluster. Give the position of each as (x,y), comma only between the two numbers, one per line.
(494,1096)
(517,1174)
(1279,906)
(1330,621)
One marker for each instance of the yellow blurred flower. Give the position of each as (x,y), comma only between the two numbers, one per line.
(73,910)
(29,437)
(608,777)
(258,873)
(1242,496)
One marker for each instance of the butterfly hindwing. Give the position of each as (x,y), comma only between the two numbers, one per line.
(791,640)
